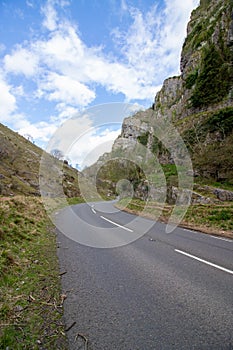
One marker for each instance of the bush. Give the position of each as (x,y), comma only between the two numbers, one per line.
(143,139)
(214,80)
(221,121)
(191,79)
(157,146)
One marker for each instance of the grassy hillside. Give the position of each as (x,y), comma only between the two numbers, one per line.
(30,297)
(20,163)
(30,292)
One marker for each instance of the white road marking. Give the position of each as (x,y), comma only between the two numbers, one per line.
(114,223)
(204,261)
(223,239)
(93,210)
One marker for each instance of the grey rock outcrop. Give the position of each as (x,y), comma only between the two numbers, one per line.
(223,195)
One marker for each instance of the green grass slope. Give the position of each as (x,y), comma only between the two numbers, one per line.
(20,164)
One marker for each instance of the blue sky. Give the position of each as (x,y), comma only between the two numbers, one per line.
(61,57)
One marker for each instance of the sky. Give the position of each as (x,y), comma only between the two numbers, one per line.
(61,58)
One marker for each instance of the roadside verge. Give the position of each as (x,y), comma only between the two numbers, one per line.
(31,303)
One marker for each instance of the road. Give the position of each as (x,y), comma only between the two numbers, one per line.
(162,291)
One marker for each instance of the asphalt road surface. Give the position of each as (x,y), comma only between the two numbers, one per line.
(161,291)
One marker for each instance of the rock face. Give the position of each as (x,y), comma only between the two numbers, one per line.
(132,128)
(223,195)
(206,63)
(209,38)
(198,103)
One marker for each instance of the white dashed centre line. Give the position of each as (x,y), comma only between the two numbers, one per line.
(114,223)
(204,261)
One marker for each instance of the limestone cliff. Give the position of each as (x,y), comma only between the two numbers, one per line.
(199,102)
(205,83)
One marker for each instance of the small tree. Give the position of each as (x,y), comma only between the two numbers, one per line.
(57,153)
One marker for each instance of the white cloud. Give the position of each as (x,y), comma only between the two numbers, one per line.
(64,112)
(152,44)
(64,89)
(69,132)
(9,115)
(21,61)
(50,15)
(7,101)
(38,131)
(51,18)
(63,45)
(91,146)
(66,53)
